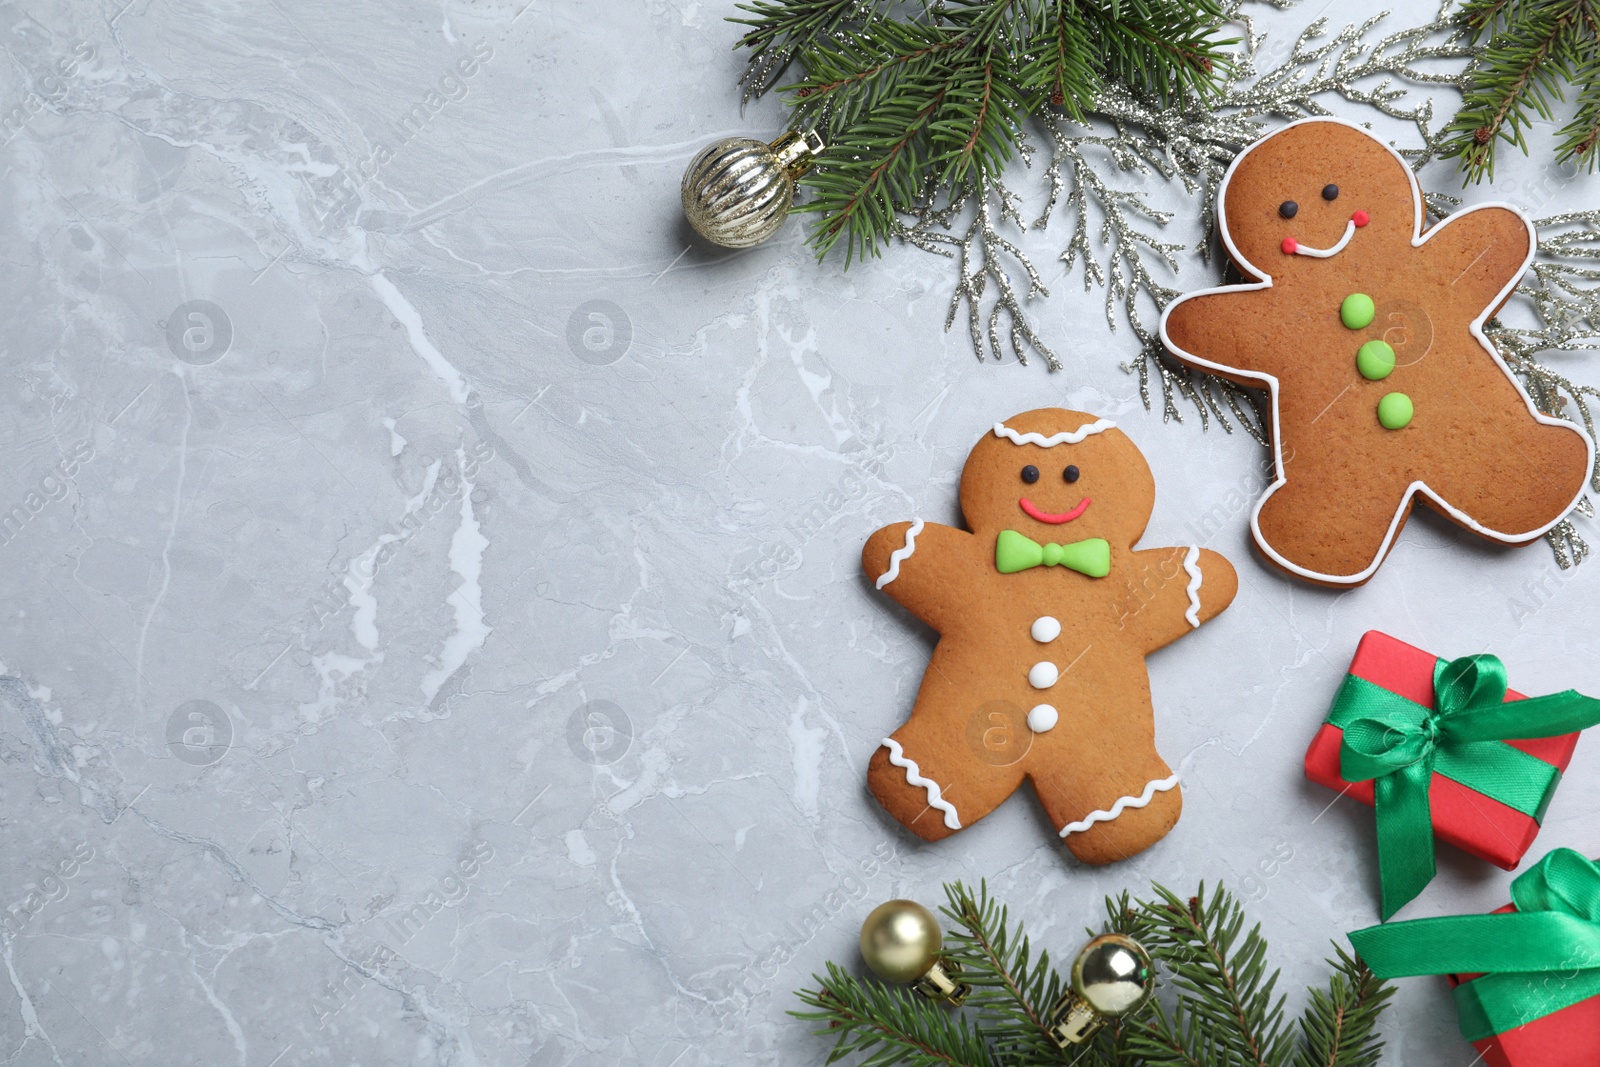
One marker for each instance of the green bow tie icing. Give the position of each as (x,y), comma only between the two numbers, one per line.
(1015,552)
(1400,745)
(1535,961)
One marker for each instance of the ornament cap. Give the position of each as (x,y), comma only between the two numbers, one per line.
(797,151)
(943,982)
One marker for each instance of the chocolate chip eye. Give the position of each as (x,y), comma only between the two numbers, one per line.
(1030,474)
(1330,192)
(1288,209)
(1070,474)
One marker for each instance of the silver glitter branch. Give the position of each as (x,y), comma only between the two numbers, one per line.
(982,252)
(1565,297)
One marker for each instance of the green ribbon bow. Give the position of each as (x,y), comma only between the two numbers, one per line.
(1015,552)
(1400,745)
(1541,958)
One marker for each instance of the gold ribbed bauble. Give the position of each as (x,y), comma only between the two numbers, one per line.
(901,940)
(737,192)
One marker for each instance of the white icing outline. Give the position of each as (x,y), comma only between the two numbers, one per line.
(1063,438)
(1325,253)
(899,554)
(1475,328)
(898,757)
(1122,804)
(1191,563)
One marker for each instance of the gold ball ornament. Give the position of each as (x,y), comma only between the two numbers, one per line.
(1112,976)
(901,942)
(737,191)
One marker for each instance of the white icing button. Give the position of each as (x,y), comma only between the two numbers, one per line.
(1042,718)
(1045,628)
(1043,675)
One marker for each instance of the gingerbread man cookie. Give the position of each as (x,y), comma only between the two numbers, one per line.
(1045,613)
(1368,331)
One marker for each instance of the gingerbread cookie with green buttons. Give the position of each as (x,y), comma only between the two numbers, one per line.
(1045,612)
(1367,330)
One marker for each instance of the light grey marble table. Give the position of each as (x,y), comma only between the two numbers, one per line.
(430,609)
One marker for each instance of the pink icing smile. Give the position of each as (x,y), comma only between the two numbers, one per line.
(1053,519)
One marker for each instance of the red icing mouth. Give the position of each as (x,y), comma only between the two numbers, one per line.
(1053,519)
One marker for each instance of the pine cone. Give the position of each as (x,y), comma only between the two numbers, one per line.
(1483,135)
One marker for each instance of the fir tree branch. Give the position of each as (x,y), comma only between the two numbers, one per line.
(969,73)
(1164,52)
(1229,1015)
(1011,990)
(1533,49)
(890,1026)
(781,29)
(1579,140)
(1065,64)
(857,205)
(866,71)
(1339,1027)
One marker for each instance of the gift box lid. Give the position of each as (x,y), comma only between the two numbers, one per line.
(1462,817)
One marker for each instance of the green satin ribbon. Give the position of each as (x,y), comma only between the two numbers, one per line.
(1400,745)
(1541,958)
(1015,552)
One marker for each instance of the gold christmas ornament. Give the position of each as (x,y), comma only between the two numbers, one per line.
(737,191)
(901,942)
(1112,976)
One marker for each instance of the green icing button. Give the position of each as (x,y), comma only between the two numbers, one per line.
(1375,360)
(1395,411)
(1357,311)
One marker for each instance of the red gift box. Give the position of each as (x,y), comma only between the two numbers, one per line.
(1463,817)
(1567,1038)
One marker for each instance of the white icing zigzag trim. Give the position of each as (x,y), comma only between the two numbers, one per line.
(898,757)
(1097,426)
(903,553)
(1150,790)
(1191,563)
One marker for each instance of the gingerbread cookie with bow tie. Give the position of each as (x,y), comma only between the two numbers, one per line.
(1367,329)
(1045,612)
